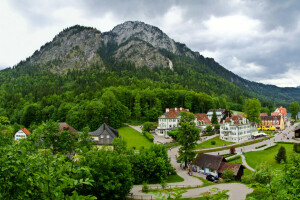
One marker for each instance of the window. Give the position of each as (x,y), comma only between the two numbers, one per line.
(102,136)
(170,126)
(107,136)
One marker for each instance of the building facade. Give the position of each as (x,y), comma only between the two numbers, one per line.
(280,111)
(271,123)
(202,120)
(220,114)
(21,134)
(169,120)
(236,129)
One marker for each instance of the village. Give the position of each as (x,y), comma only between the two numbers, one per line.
(234,134)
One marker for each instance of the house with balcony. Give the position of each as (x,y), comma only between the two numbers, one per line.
(169,120)
(236,129)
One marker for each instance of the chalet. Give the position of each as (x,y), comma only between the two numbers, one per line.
(220,114)
(235,129)
(21,134)
(216,165)
(104,135)
(202,120)
(271,123)
(169,120)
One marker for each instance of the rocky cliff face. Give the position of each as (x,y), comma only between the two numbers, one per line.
(77,47)
(73,48)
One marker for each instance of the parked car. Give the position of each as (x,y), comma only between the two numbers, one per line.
(212,178)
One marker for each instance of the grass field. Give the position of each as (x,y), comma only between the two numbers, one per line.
(207,144)
(239,161)
(257,157)
(237,112)
(134,138)
(174,179)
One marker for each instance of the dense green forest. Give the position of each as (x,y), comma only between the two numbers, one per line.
(122,92)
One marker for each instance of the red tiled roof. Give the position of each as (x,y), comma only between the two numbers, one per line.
(202,117)
(27,132)
(263,114)
(235,118)
(229,166)
(275,113)
(282,110)
(174,113)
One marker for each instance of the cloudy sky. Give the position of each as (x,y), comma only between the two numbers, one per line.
(258,40)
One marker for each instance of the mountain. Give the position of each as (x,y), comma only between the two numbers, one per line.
(143,45)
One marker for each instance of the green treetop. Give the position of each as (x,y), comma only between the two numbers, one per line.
(187,137)
(252,109)
(214,119)
(294,109)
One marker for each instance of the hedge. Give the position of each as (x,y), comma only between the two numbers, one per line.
(261,146)
(148,136)
(235,146)
(233,158)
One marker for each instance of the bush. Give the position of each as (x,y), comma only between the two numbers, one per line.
(213,142)
(208,128)
(173,133)
(228,175)
(247,179)
(145,187)
(147,126)
(281,155)
(296,147)
(233,158)
(217,126)
(232,150)
(149,136)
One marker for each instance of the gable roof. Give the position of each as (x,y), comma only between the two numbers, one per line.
(235,118)
(66,127)
(173,112)
(104,128)
(202,117)
(229,166)
(209,161)
(27,132)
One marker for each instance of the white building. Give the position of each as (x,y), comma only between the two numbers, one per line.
(202,120)
(236,129)
(21,134)
(220,114)
(169,120)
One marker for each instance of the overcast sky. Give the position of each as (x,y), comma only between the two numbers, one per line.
(258,40)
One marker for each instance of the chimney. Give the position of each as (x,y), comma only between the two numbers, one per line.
(106,120)
(167,109)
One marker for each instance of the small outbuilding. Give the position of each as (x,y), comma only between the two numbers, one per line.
(297,132)
(21,134)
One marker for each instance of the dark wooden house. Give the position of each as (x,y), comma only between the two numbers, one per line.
(104,135)
(297,132)
(216,166)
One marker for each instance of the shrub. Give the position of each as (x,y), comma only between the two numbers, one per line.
(145,187)
(147,126)
(173,133)
(281,155)
(296,147)
(232,150)
(217,126)
(149,136)
(228,175)
(213,142)
(208,128)
(247,179)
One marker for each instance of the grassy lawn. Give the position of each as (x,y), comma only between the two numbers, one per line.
(207,143)
(257,157)
(239,161)
(174,179)
(134,138)
(237,112)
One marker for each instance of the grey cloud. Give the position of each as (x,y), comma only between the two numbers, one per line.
(270,48)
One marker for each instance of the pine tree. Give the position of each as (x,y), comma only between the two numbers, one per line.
(281,155)
(214,119)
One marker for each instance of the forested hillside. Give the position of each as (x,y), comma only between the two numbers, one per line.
(133,72)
